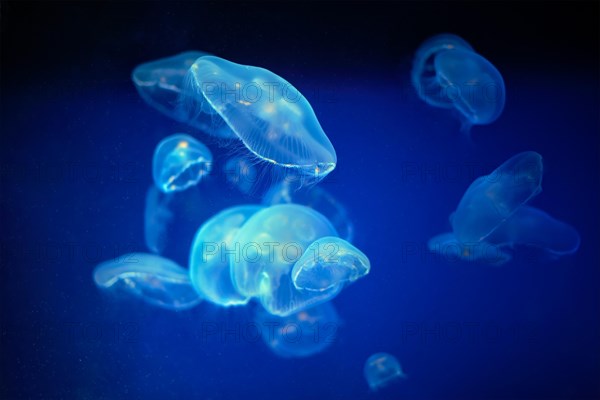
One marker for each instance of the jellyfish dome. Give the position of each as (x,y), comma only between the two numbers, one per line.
(381,369)
(180,161)
(270,116)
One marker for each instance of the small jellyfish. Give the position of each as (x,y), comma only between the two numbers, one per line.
(240,173)
(271,117)
(180,161)
(156,280)
(316,198)
(448,73)
(450,249)
(209,258)
(381,369)
(162,84)
(157,219)
(491,199)
(302,334)
(327,263)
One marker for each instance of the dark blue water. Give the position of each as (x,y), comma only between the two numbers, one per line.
(76,149)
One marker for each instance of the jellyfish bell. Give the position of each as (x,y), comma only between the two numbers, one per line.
(381,369)
(275,123)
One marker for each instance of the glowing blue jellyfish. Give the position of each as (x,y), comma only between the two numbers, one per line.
(450,249)
(492,199)
(212,248)
(162,84)
(448,73)
(157,218)
(180,161)
(271,242)
(315,197)
(381,369)
(271,117)
(240,173)
(302,334)
(327,263)
(156,280)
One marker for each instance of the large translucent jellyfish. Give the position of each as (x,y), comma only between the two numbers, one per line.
(157,218)
(241,173)
(180,161)
(381,369)
(327,263)
(209,258)
(450,249)
(302,334)
(448,73)
(315,197)
(270,243)
(492,199)
(270,116)
(154,279)
(162,84)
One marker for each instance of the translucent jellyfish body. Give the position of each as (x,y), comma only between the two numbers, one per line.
(315,197)
(448,73)
(180,161)
(157,218)
(209,258)
(492,199)
(451,249)
(271,117)
(154,279)
(302,334)
(162,84)
(241,173)
(381,369)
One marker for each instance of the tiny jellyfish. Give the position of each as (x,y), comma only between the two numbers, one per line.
(448,73)
(157,218)
(298,335)
(450,249)
(381,369)
(162,85)
(316,198)
(209,258)
(154,279)
(327,263)
(240,173)
(490,200)
(180,161)
(270,116)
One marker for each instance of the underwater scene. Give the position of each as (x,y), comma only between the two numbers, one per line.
(256,200)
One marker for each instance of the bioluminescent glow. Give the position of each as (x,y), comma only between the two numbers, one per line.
(381,369)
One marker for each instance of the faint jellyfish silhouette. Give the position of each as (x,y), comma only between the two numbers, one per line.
(157,218)
(329,262)
(180,161)
(154,279)
(450,249)
(211,251)
(162,84)
(272,119)
(381,369)
(448,73)
(241,173)
(492,199)
(302,334)
(317,198)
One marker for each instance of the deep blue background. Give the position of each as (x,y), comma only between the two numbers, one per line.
(76,147)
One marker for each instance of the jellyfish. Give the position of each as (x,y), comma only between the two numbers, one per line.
(271,117)
(156,280)
(448,73)
(448,247)
(316,198)
(240,173)
(157,218)
(270,243)
(381,369)
(302,334)
(492,199)
(209,258)
(327,263)
(162,85)
(180,161)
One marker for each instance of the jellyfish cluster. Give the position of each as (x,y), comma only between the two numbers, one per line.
(291,253)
